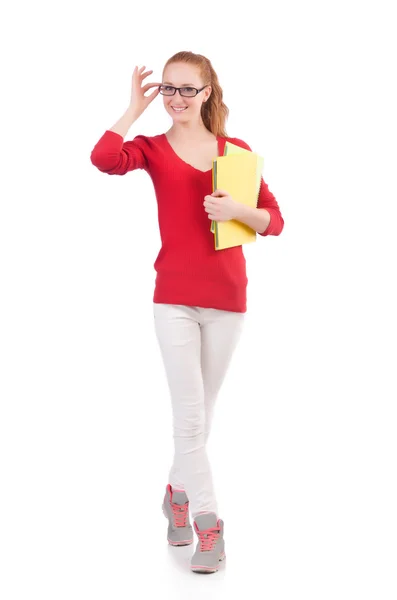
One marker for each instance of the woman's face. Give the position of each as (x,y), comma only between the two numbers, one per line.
(184,75)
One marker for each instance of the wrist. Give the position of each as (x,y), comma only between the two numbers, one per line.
(132,113)
(239,211)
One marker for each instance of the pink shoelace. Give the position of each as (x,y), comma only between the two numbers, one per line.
(208,538)
(180,512)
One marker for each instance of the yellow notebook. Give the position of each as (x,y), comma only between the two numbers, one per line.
(237,174)
(233,149)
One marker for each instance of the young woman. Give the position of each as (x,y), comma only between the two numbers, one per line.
(200,293)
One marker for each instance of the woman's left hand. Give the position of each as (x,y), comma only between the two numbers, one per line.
(220,206)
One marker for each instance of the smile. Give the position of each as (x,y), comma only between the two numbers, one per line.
(178,109)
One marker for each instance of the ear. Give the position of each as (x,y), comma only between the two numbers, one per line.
(207,92)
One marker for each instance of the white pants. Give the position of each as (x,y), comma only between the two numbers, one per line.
(196,346)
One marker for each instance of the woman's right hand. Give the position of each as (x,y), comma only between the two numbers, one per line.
(140,102)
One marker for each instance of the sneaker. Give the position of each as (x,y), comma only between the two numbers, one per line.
(211,545)
(176,510)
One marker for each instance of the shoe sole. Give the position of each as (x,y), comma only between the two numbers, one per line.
(204,569)
(180,542)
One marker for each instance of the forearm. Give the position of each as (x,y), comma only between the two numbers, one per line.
(123,125)
(256,218)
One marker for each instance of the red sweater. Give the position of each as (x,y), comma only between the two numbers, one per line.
(189,269)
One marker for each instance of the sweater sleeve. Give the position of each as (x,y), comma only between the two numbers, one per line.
(113,156)
(268,201)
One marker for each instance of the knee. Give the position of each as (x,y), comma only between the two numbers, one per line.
(190,425)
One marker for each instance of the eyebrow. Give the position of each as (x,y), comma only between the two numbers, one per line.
(183,84)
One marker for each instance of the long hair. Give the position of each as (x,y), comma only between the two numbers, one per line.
(213,112)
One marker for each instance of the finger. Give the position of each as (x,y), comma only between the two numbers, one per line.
(219,193)
(138,70)
(153,95)
(135,75)
(144,75)
(150,85)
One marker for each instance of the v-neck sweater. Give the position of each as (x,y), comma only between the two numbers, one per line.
(189,270)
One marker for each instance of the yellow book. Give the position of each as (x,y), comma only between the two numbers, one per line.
(236,174)
(234,149)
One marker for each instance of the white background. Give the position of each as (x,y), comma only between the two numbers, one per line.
(304,439)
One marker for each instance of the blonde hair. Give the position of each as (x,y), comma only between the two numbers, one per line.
(214,111)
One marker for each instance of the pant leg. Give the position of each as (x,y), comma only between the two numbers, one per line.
(179,336)
(220,334)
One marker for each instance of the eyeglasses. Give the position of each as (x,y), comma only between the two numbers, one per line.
(170,90)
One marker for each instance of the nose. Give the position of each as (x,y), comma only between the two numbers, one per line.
(173,98)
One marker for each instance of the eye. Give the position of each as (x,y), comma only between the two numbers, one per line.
(188,89)
(167,88)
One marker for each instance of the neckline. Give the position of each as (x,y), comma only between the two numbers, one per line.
(218,139)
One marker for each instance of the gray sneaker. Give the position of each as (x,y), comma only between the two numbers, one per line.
(211,545)
(176,510)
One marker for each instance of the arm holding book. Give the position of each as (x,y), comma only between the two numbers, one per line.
(256,218)
(266,219)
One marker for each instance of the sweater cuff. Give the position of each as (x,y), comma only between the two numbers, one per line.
(276,224)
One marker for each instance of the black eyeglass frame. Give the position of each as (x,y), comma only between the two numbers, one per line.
(182,88)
